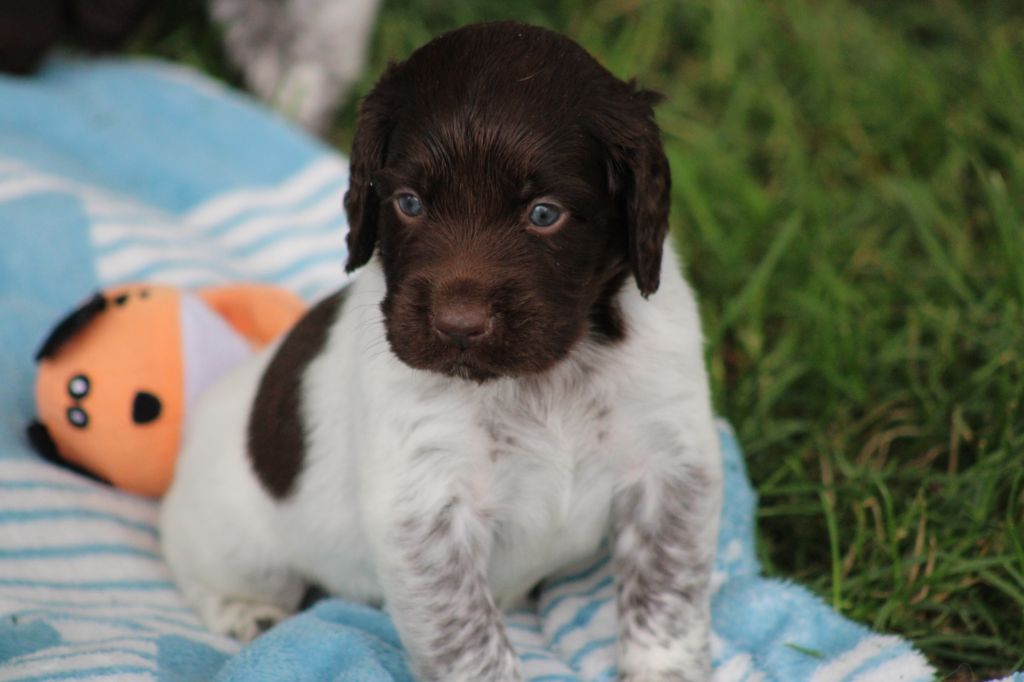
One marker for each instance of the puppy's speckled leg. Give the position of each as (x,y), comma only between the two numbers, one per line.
(437,594)
(665,533)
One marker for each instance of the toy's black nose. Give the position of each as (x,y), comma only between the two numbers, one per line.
(463,323)
(145,408)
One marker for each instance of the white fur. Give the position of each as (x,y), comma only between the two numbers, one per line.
(300,55)
(387,442)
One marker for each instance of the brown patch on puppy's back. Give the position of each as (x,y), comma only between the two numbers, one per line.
(277,434)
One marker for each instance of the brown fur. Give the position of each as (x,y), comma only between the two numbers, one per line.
(277,430)
(30,28)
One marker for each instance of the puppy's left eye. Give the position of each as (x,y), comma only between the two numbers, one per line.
(545,215)
(410,205)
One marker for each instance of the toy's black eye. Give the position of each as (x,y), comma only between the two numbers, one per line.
(78,387)
(410,205)
(78,417)
(545,215)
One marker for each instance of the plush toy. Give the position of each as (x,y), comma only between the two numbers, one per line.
(118,376)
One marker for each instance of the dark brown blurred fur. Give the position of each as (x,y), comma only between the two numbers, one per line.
(29,28)
(479,124)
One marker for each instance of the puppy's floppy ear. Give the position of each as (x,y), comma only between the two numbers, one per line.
(639,178)
(361,202)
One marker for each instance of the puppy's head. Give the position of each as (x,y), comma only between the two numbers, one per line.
(511,185)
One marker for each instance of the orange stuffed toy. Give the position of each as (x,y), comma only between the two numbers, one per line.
(118,376)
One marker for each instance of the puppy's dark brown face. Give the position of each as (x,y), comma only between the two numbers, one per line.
(498,172)
(496,242)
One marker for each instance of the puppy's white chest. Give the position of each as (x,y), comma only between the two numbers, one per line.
(552,468)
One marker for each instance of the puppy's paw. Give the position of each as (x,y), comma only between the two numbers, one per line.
(241,619)
(661,677)
(692,671)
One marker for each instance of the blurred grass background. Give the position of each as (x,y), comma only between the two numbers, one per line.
(849,199)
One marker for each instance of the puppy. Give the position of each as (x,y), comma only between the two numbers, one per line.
(504,385)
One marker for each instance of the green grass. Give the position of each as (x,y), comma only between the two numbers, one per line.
(849,200)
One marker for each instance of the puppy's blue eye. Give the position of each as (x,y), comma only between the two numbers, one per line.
(410,205)
(545,215)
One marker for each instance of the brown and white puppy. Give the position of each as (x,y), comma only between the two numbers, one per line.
(504,385)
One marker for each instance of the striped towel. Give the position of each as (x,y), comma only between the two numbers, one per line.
(113,171)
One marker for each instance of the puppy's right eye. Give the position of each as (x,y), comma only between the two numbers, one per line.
(544,215)
(410,205)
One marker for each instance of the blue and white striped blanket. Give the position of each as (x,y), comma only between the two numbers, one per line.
(113,171)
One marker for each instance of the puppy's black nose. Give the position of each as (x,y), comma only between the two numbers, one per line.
(463,323)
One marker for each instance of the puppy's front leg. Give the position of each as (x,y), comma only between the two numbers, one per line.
(665,530)
(434,575)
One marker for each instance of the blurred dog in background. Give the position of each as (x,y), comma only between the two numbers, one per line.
(300,56)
